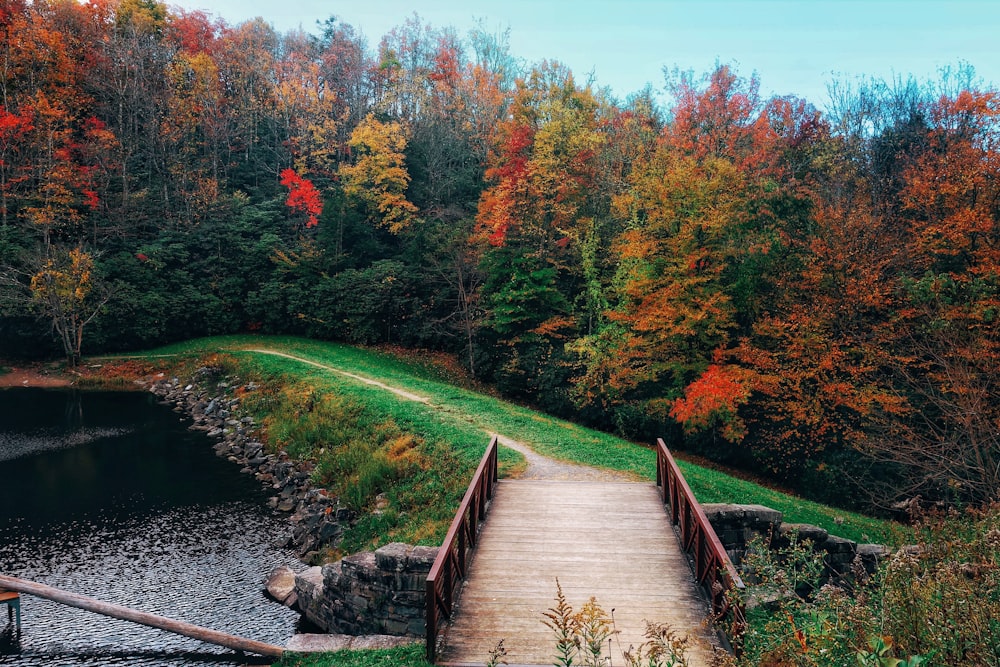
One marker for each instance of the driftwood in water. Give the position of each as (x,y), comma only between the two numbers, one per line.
(144,618)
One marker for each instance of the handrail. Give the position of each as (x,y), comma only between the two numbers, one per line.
(451,564)
(135,616)
(712,566)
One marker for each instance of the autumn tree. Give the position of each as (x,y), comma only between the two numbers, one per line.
(131,89)
(401,78)
(464,103)
(535,219)
(246,57)
(685,225)
(66,292)
(378,177)
(308,107)
(14,127)
(303,197)
(942,343)
(193,133)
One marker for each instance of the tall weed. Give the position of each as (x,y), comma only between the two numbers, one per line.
(934,603)
(585,638)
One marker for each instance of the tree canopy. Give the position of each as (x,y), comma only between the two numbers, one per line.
(812,295)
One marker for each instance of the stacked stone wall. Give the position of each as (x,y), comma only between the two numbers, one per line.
(318,520)
(737,525)
(381,592)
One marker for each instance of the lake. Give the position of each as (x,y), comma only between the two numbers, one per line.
(108,494)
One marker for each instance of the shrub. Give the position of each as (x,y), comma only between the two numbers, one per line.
(935,603)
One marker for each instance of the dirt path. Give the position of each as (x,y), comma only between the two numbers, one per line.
(33,377)
(539,467)
(375,383)
(543,467)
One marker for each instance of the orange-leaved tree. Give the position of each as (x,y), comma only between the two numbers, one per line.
(687,223)
(66,292)
(943,342)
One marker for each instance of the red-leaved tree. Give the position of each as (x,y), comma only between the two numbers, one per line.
(303,197)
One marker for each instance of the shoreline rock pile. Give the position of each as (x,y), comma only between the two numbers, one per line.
(380,592)
(318,520)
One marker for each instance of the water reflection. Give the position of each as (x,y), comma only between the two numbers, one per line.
(109,495)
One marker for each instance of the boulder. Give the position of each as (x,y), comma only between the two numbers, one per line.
(309,589)
(281,584)
(804,531)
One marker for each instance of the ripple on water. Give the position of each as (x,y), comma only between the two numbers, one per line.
(203,562)
(203,566)
(25,444)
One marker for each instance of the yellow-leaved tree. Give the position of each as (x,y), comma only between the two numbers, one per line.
(66,291)
(378,176)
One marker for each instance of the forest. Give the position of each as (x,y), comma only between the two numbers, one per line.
(810,295)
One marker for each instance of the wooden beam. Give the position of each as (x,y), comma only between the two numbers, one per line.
(141,617)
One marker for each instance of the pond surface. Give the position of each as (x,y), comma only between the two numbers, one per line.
(109,495)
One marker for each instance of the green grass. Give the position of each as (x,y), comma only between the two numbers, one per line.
(462,418)
(406,656)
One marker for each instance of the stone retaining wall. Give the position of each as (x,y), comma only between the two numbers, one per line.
(736,525)
(369,593)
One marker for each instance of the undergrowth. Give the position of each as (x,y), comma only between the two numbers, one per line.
(586,638)
(936,603)
(120,374)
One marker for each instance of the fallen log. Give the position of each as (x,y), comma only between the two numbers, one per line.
(141,617)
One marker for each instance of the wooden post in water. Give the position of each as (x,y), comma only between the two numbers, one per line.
(144,618)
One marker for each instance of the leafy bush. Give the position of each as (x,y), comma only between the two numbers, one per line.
(934,603)
(357,456)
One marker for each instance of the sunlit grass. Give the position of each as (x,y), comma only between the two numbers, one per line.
(463,418)
(406,656)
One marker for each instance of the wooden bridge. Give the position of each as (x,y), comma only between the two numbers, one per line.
(611,540)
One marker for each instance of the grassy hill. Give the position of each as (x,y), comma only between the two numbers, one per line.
(460,419)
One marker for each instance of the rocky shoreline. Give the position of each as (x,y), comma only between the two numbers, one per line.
(211,401)
(377,595)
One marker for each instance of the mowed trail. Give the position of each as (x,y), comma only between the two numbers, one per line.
(410,396)
(538,466)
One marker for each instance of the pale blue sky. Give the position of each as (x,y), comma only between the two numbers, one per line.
(795,46)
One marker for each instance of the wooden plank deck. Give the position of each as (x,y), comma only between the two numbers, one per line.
(611,540)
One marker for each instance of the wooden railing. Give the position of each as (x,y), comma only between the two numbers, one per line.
(136,616)
(712,566)
(452,562)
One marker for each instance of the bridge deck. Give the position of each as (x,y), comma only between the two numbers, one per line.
(611,540)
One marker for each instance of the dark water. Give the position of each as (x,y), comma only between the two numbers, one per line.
(109,495)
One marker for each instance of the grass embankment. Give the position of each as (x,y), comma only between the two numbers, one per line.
(456,419)
(407,656)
